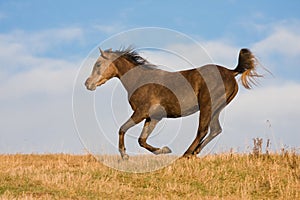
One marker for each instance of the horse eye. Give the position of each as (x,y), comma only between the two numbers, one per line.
(98,64)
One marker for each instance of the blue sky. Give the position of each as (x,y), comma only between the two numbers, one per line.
(43,43)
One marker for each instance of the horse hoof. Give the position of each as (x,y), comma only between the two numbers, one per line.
(188,156)
(125,156)
(166,150)
(163,150)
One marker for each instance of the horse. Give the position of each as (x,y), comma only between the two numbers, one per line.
(154,94)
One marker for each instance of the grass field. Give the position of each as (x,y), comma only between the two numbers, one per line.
(225,176)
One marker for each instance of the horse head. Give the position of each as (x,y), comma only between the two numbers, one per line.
(103,70)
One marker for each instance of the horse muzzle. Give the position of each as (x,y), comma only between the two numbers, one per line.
(92,86)
(89,85)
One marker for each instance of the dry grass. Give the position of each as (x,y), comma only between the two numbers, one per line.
(227,176)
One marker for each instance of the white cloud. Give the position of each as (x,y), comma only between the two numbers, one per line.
(21,43)
(284,41)
(36,93)
(44,80)
(186,56)
(247,116)
(279,51)
(222,53)
(24,72)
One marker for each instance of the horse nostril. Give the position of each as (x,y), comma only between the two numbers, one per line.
(89,85)
(87,82)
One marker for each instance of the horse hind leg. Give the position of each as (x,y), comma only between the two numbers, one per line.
(147,130)
(215,129)
(204,120)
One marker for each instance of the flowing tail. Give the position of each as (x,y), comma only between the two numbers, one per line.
(247,67)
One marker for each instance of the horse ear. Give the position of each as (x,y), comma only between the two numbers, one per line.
(101,51)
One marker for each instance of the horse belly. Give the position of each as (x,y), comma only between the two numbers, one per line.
(184,104)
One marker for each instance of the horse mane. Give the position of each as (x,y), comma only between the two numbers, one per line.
(131,55)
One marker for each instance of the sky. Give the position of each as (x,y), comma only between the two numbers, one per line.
(44,46)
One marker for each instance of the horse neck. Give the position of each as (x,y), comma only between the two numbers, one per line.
(123,66)
(129,74)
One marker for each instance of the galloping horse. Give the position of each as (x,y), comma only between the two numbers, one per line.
(155,94)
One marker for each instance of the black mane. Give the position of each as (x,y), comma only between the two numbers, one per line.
(131,55)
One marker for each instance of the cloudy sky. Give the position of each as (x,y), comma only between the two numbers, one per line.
(43,45)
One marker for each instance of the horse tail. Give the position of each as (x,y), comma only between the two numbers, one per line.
(247,64)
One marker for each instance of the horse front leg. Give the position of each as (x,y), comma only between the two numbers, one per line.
(147,130)
(132,121)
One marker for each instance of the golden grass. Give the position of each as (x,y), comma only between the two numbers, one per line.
(137,164)
(226,176)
